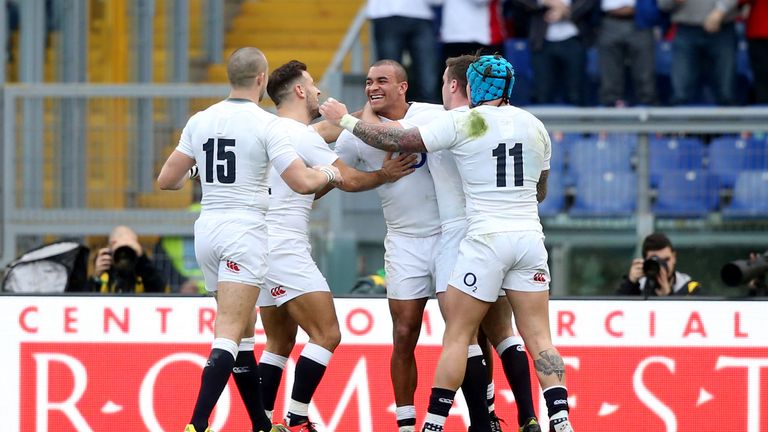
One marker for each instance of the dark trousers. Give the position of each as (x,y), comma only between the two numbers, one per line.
(394,35)
(696,52)
(758,59)
(559,62)
(455,49)
(620,45)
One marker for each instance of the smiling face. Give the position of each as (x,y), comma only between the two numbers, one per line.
(383,88)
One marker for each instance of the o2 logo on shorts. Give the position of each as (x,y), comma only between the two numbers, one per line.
(470,280)
(540,277)
(277,291)
(233,266)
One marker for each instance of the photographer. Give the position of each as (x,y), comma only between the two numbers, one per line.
(123,267)
(655,274)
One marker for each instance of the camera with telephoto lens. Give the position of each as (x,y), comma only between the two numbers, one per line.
(740,272)
(124,260)
(652,267)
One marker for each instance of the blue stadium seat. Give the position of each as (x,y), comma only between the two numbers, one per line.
(517,53)
(605,194)
(684,194)
(750,196)
(730,155)
(593,154)
(555,200)
(672,154)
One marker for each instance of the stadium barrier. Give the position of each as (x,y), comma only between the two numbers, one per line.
(133,363)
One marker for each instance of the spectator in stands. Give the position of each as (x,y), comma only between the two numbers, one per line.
(757,38)
(407,25)
(472,27)
(124,267)
(704,43)
(655,274)
(626,39)
(559,35)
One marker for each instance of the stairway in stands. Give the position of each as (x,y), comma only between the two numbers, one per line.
(305,30)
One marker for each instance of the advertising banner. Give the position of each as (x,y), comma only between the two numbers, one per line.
(133,363)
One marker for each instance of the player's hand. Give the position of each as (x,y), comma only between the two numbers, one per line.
(335,175)
(395,168)
(636,270)
(103,261)
(665,288)
(713,21)
(333,110)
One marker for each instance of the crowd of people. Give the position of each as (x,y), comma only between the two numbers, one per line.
(625,34)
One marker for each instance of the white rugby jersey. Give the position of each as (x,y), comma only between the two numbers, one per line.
(409,204)
(233,142)
(500,153)
(442,165)
(289,210)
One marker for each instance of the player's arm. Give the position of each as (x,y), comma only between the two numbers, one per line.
(305,180)
(329,131)
(393,169)
(176,171)
(541,186)
(376,135)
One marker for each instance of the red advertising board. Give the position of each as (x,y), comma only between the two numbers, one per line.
(106,364)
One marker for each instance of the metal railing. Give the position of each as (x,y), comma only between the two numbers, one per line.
(48,190)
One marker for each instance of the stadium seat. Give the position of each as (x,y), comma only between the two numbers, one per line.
(750,196)
(730,155)
(674,154)
(606,194)
(555,200)
(517,53)
(593,154)
(686,194)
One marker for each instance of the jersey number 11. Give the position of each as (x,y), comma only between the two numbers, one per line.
(516,153)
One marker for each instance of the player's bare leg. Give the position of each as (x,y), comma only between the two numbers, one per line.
(280,330)
(407,316)
(531,311)
(236,303)
(316,314)
(475,383)
(463,314)
(497,325)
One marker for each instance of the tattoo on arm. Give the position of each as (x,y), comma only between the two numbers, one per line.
(541,186)
(549,362)
(389,138)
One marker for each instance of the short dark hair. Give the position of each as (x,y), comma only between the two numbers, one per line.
(400,72)
(282,80)
(457,70)
(654,242)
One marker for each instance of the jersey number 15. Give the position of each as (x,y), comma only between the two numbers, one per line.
(516,153)
(225,160)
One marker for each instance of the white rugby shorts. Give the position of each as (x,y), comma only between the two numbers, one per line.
(515,260)
(292,271)
(231,248)
(410,266)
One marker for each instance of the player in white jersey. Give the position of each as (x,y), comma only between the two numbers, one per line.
(503,154)
(497,324)
(296,293)
(233,143)
(413,231)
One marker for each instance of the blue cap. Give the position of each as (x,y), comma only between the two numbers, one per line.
(490,77)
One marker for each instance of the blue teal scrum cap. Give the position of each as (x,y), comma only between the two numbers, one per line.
(490,77)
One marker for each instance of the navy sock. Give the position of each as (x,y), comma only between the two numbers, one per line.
(215,376)
(246,374)
(475,389)
(515,363)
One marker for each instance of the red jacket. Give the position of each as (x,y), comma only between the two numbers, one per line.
(757,23)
